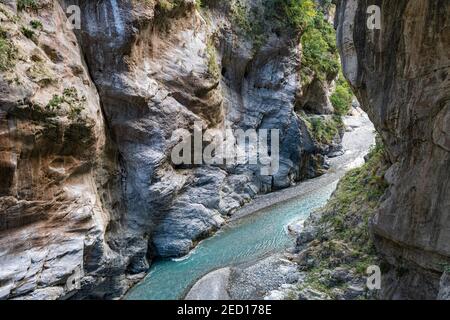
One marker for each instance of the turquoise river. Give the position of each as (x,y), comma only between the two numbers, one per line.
(242,240)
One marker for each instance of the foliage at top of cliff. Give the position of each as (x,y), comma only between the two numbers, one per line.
(278,16)
(168,5)
(320,57)
(299,14)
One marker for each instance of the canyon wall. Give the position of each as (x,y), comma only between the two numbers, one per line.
(400,74)
(88,192)
(53,146)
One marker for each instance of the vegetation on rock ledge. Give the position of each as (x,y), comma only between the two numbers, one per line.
(357,196)
(320,61)
(300,14)
(71,99)
(343,249)
(213,66)
(323,128)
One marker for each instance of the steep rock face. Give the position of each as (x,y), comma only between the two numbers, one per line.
(52,149)
(401,77)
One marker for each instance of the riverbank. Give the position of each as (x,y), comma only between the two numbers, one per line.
(260,279)
(242,241)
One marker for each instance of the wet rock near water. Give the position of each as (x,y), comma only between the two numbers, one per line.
(299,273)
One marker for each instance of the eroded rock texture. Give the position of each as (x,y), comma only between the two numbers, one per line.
(401,77)
(87,187)
(52,219)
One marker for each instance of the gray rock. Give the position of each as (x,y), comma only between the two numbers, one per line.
(402,83)
(444,287)
(311,294)
(354,292)
(341,275)
(259,279)
(316,98)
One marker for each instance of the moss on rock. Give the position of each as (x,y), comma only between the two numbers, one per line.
(8,52)
(342,248)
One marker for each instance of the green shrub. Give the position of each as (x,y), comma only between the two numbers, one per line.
(274,15)
(241,17)
(199,4)
(320,56)
(8,52)
(27,32)
(250,21)
(320,59)
(165,5)
(323,130)
(164,11)
(36,24)
(75,113)
(299,14)
(354,202)
(342,97)
(55,102)
(27,4)
(365,184)
(213,66)
(70,98)
(343,238)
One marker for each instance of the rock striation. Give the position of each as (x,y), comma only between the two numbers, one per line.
(52,153)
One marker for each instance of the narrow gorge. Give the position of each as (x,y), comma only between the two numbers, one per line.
(92,92)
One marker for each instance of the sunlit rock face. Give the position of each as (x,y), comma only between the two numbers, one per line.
(52,151)
(401,77)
